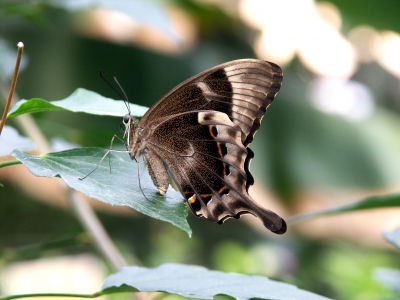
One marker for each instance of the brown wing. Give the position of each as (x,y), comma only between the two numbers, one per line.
(242,89)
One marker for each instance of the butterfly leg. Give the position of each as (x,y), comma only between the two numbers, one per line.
(105,155)
(157,172)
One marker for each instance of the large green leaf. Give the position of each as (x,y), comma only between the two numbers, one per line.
(392,200)
(201,283)
(79,101)
(117,188)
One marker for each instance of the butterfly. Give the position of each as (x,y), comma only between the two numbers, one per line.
(198,135)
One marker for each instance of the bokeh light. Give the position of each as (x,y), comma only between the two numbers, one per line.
(293,27)
(347,98)
(387,52)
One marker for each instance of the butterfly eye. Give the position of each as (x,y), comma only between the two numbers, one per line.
(127,118)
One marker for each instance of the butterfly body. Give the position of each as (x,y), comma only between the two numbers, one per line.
(198,134)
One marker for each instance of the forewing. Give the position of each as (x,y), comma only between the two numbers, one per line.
(242,89)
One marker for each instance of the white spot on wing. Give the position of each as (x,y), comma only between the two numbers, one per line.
(205,89)
(214,117)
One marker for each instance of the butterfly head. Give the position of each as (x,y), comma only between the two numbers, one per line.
(124,127)
(127,127)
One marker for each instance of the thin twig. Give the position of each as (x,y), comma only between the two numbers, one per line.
(91,223)
(13,85)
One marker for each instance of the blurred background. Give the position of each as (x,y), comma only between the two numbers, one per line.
(330,137)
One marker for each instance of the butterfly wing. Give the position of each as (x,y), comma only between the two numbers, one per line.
(242,89)
(200,131)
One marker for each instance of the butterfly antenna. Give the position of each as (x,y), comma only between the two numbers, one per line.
(126,101)
(140,184)
(102,77)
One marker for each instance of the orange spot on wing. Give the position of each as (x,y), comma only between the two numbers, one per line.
(226,170)
(223,191)
(206,196)
(192,199)
(221,154)
(211,131)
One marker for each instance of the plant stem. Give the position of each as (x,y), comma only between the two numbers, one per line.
(9,163)
(13,84)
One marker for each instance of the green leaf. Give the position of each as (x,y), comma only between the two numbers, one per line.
(201,283)
(389,278)
(392,200)
(10,140)
(79,101)
(117,188)
(393,237)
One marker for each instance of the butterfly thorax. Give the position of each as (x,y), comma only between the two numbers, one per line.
(135,144)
